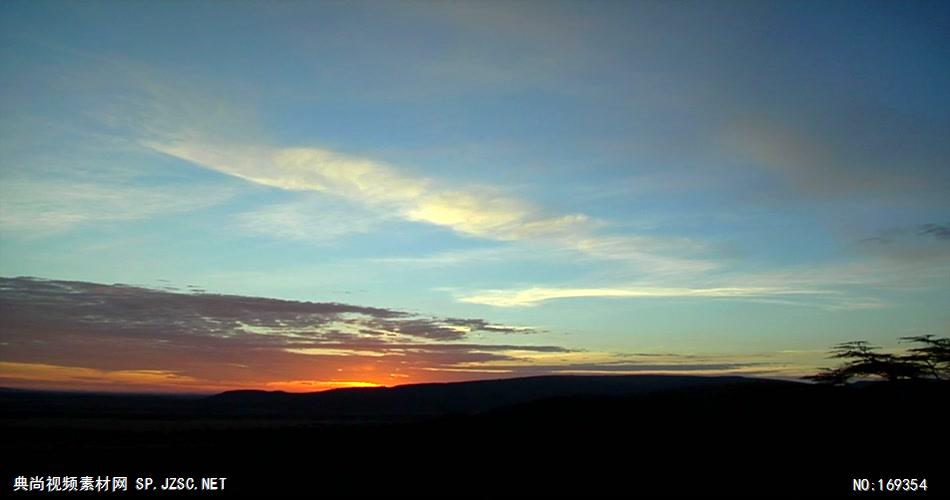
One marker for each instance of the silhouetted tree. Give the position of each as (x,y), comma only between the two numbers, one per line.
(931,360)
(933,357)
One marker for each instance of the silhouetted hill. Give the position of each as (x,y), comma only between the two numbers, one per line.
(431,400)
(400,403)
(544,436)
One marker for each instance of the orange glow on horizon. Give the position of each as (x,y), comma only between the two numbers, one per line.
(318,385)
(43,376)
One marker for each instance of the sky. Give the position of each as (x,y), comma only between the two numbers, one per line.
(199,196)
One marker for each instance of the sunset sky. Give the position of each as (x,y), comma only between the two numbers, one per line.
(199,196)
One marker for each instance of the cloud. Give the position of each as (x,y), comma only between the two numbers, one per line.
(43,207)
(908,253)
(125,308)
(301,169)
(534,296)
(316,385)
(856,149)
(484,326)
(78,163)
(478,211)
(40,372)
(938,231)
(621,368)
(71,334)
(308,220)
(904,234)
(122,332)
(185,117)
(487,214)
(659,256)
(788,364)
(457,257)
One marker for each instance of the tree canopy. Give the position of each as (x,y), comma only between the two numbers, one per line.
(930,359)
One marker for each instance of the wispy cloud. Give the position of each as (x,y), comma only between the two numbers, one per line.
(791,364)
(938,231)
(907,251)
(179,116)
(83,166)
(37,207)
(480,211)
(845,153)
(308,220)
(316,385)
(456,258)
(59,374)
(483,212)
(657,255)
(537,295)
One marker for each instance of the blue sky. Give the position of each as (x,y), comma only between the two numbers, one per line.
(741,181)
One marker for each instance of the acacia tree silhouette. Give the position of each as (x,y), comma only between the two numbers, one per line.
(930,360)
(933,357)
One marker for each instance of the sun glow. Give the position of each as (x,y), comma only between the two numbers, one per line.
(318,385)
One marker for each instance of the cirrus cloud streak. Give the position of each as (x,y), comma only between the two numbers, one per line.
(478,211)
(534,296)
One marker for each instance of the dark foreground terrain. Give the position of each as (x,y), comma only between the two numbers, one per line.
(625,436)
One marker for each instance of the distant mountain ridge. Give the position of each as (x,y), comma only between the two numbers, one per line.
(579,436)
(473,397)
(415,402)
